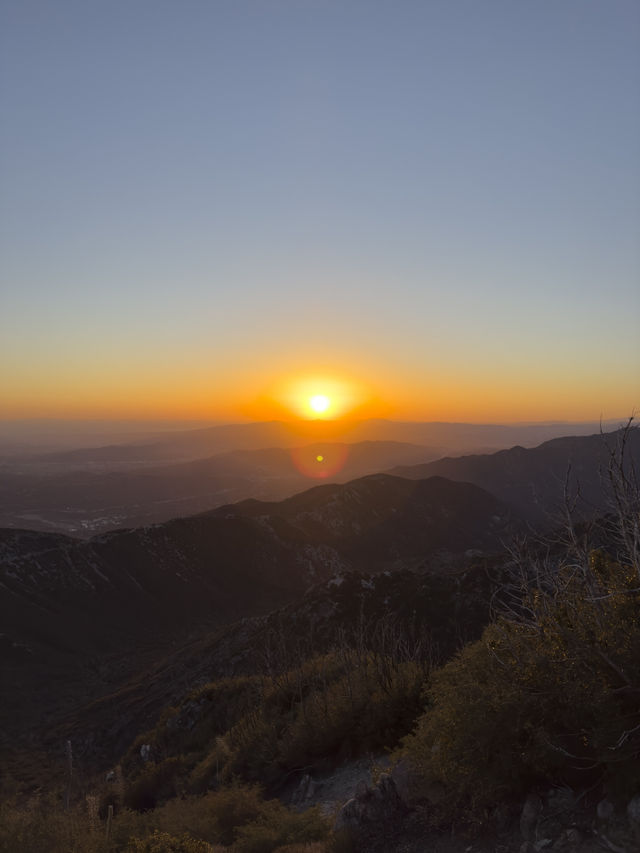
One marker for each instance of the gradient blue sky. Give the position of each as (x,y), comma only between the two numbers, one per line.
(438,202)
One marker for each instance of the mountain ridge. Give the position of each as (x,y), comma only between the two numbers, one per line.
(536,481)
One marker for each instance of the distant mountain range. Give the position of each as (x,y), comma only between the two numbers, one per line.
(182,445)
(84,502)
(89,491)
(535,481)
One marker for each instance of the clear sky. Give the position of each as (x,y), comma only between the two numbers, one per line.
(429,209)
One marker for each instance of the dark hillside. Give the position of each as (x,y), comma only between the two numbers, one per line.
(380,522)
(78,612)
(533,479)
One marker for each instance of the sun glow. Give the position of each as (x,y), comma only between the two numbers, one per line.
(319,403)
(320,397)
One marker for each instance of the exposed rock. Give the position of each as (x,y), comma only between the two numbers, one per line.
(145,751)
(371,812)
(569,842)
(633,811)
(529,817)
(604,810)
(305,790)
(561,799)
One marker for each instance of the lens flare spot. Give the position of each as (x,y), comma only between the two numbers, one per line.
(320,461)
(319,403)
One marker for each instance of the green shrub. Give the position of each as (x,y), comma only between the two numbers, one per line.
(543,700)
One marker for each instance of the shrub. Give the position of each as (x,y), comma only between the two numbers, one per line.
(162,842)
(278,827)
(204,714)
(158,782)
(549,698)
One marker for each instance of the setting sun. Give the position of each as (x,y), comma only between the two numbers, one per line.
(319,403)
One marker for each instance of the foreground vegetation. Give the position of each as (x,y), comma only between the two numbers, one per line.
(237,818)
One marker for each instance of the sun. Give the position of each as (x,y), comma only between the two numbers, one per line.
(318,397)
(319,403)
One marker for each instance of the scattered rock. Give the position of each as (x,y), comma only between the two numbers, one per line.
(570,841)
(305,790)
(145,751)
(371,811)
(561,799)
(604,810)
(529,817)
(633,810)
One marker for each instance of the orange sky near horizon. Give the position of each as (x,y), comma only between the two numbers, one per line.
(242,393)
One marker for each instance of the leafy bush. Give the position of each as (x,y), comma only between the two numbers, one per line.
(547,698)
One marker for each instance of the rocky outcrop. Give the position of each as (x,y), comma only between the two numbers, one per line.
(560,822)
(372,814)
(305,791)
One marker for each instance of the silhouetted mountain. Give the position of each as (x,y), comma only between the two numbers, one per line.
(380,522)
(534,480)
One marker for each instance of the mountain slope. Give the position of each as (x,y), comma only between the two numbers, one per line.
(380,521)
(68,607)
(534,480)
(240,557)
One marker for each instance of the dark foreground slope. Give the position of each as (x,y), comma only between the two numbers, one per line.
(399,613)
(79,612)
(536,480)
